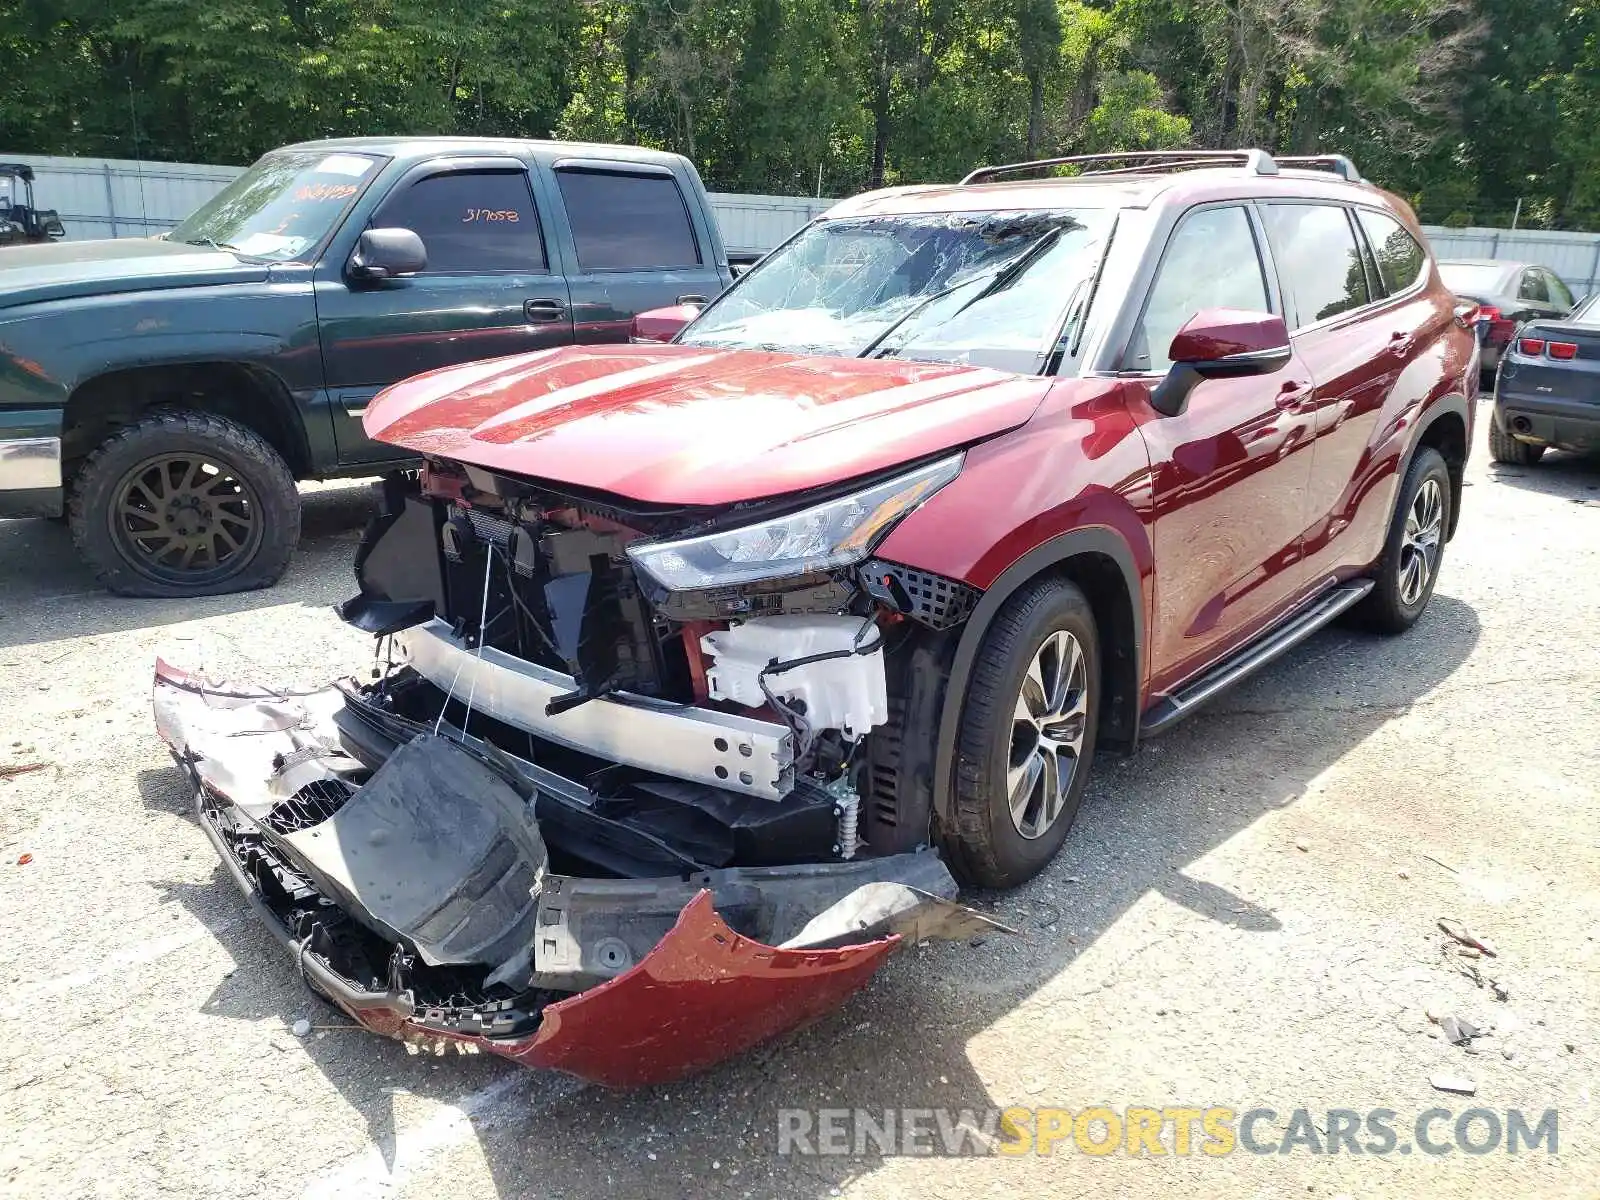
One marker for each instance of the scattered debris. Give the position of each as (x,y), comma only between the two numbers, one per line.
(300,1028)
(12,770)
(1438,863)
(1405,874)
(1454,1083)
(1467,938)
(24,859)
(1457,1031)
(1302,847)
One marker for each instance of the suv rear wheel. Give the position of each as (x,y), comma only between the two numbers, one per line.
(1027,736)
(1414,550)
(185,504)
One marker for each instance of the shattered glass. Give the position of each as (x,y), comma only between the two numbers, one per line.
(985,289)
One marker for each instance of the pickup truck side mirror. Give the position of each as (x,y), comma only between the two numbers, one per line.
(1220,343)
(662,324)
(387,254)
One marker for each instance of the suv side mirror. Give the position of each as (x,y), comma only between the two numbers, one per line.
(1220,343)
(387,254)
(662,324)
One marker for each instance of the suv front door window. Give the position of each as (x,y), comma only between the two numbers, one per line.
(1229,473)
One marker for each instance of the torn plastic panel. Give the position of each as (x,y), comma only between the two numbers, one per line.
(427,956)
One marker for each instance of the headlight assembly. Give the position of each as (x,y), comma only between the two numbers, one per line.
(836,533)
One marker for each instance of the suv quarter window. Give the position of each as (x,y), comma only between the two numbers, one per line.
(625,221)
(1400,257)
(1318,258)
(471,222)
(1211,260)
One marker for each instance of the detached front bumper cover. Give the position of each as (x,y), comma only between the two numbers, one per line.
(703,992)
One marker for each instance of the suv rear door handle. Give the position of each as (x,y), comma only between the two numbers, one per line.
(543,311)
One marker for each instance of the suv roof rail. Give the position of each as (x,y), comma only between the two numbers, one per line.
(1337,163)
(1139,161)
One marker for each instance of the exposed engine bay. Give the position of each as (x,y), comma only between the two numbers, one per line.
(608,763)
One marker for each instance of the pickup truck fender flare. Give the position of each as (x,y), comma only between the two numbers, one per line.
(1127,664)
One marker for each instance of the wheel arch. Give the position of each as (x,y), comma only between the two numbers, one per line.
(1445,426)
(248,394)
(1102,565)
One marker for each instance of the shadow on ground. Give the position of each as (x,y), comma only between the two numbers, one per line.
(903,1041)
(47,593)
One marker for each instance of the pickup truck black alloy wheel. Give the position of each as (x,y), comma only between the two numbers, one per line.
(185,504)
(1027,736)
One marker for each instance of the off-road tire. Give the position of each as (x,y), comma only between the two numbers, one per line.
(1385,608)
(1503,448)
(267,491)
(981,842)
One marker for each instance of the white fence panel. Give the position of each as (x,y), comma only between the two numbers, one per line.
(110,197)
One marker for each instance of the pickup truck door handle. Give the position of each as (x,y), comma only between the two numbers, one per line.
(543,311)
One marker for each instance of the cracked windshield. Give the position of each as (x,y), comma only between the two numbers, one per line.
(1002,290)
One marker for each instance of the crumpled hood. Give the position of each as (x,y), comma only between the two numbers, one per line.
(60,270)
(693,426)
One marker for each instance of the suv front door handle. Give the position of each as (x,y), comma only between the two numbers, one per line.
(1400,343)
(543,310)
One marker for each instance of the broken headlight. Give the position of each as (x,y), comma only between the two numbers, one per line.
(836,533)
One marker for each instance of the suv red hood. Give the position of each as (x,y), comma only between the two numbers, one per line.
(683,425)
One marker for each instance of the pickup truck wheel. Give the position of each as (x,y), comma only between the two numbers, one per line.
(1027,736)
(1406,574)
(185,504)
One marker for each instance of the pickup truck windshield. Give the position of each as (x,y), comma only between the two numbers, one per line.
(282,208)
(989,289)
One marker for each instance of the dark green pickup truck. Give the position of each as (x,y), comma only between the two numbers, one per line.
(167,393)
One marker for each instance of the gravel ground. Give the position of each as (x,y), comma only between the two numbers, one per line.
(1243,916)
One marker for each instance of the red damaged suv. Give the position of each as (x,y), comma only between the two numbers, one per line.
(707,668)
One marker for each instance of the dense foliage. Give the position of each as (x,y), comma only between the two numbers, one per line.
(1467,106)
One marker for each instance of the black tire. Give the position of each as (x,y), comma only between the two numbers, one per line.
(984,844)
(185,504)
(1504,448)
(1393,606)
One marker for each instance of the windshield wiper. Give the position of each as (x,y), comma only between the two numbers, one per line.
(995,278)
(228,246)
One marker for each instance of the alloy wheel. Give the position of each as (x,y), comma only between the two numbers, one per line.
(185,518)
(1419,546)
(1047,732)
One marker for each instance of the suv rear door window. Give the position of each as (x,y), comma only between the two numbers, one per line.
(471,222)
(623,222)
(1318,259)
(1211,262)
(1400,258)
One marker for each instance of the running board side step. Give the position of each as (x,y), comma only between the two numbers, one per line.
(1252,657)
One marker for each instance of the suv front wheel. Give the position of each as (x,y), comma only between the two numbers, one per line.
(1027,736)
(185,504)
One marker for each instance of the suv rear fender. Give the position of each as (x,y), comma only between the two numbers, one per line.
(1066,494)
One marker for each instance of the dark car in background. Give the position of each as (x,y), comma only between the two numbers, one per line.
(1507,293)
(168,393)
(1548,391)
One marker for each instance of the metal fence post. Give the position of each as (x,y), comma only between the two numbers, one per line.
(111,198)
(1494,246)
(1594,269)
